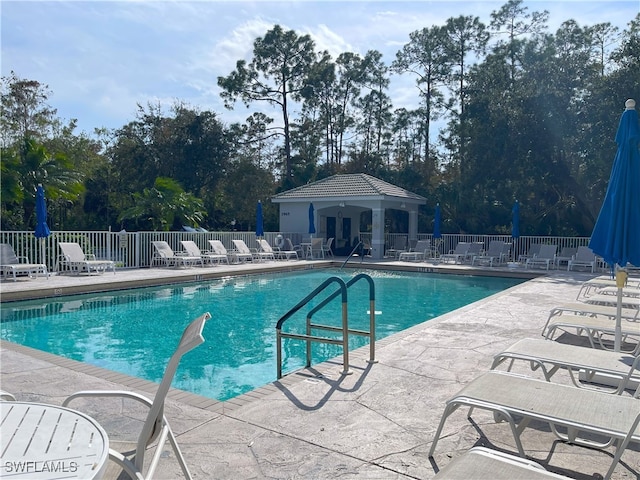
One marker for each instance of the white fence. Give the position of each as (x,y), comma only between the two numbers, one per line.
(134,249)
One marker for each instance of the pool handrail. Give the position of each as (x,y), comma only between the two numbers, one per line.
(372,318)
(345,331)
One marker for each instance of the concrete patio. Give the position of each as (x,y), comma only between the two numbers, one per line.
(377,423)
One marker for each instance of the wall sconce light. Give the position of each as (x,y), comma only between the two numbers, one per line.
(404,205)
(341,204)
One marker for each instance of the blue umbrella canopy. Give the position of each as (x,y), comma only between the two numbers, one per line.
(436,223)
(259,220)
(312,226)
(515,220)
(616,234)
(42,229)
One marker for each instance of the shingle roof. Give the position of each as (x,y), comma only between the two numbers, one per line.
(348,185)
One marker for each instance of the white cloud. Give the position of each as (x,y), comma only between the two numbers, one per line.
(101,58)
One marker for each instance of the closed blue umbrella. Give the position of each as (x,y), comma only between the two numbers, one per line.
(312,226)
(616,234)
(515,220)
(259,220)
(436,223)
(42,229)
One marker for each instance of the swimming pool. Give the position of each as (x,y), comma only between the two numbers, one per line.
(135,331)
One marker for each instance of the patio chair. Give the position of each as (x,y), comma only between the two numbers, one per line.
(584,257)
(164,255)
(75,260)
(495,254)
(277,253)
(566,254)
(520,400)
(241,251)
(549,357)
(192,250)
(156,425)
(315,248)
(399,246)
(545,257)
(11,264)
(218,248)
(458,254)
(420,252)
(482,462)
(326,248)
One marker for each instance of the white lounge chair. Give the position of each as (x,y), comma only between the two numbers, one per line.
(399,246)
(534,249)
(164,255)
(549,357)
(519,400)
(420,252)
(218,248)
(192,250)
(458,254)
(75,260)
(599,330)
(584,257)
(566,254)
(11,264)
(156,425)
(484,463)
(603,281)
(265,247)
(544,258)
(242,252)
(494,255)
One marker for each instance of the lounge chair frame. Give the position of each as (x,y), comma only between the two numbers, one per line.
(584,257)
(156,425)
(218,248)
(76,261)
(242,253)
(11,264)
(597,329)
(420,252)
(545,257)
(495,254)
(550,357)
(277,253)
(208,257)
(164,254)
(458,254)
(519,400)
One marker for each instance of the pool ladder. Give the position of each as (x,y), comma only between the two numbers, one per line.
(346,331)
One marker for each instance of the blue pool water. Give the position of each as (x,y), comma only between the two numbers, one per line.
(136,331)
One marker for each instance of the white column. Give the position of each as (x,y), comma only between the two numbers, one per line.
(377,233)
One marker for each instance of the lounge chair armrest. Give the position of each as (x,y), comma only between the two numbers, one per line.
(89,256)
(23,259)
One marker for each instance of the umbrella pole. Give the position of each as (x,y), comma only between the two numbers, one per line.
(621,278)
(42,259)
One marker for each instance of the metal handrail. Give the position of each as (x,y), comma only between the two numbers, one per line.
(372,318)
(302,303)
(352,253)
(309,338)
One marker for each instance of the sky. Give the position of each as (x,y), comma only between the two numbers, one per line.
(102,58)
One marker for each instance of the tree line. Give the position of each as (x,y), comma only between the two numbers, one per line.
(526,114)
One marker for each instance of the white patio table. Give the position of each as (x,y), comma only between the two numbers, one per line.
(40,441)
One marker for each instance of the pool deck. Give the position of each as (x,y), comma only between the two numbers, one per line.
(376,423)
